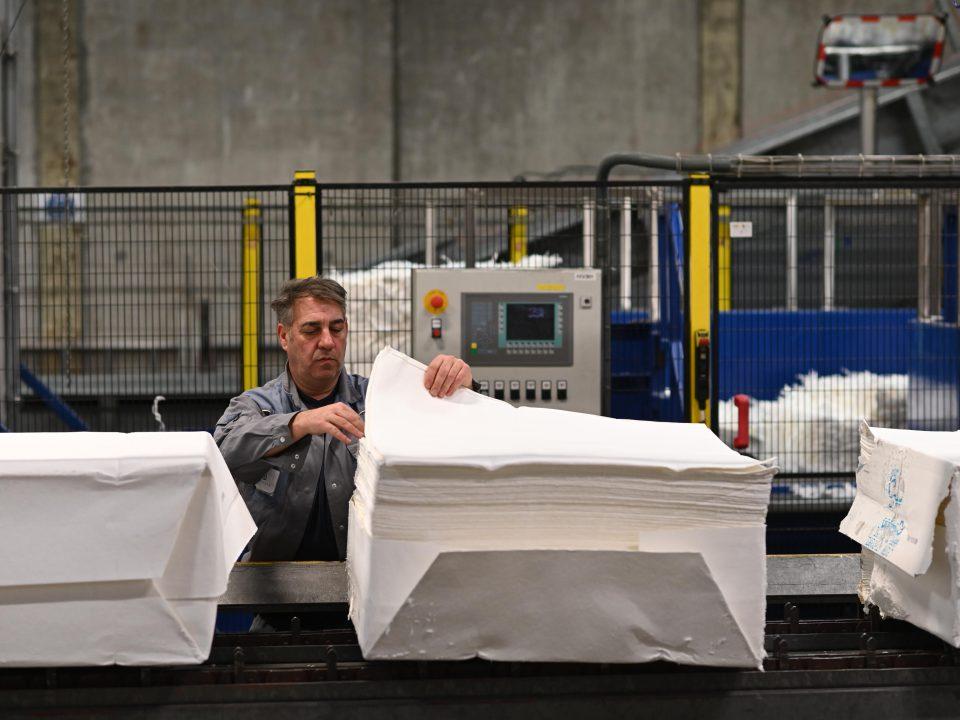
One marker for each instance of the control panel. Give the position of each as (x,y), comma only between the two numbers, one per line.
(531,337)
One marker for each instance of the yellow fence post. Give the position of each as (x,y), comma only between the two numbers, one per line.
(251,293)
(724,253)
(699,294)
(305,223)
(518,233)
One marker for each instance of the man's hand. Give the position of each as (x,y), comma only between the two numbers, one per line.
(445,374)
(338,420)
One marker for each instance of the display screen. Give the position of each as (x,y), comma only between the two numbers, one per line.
(530,321)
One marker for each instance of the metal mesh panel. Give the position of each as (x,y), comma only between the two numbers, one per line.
(116,297)
(837,302)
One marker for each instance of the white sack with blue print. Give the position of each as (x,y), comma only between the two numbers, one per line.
(906,517)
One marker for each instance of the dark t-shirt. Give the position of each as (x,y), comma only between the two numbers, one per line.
(318,542)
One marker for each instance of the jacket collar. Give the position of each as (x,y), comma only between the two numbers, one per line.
(345,392)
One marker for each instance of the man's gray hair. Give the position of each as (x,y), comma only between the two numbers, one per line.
(321,289)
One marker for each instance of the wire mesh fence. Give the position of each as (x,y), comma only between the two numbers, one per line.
(836,302)
(113,298)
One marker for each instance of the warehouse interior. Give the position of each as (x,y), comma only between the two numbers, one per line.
(693,226)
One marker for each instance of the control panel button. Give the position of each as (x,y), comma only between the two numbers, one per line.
(561,389)
(546,389)
(435,302)
(498,389)
(484,387)
(436,328)
(531,389)
(514,389)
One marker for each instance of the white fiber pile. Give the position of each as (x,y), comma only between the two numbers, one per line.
(480,529)
(813,425)
(907,517)
(378,301)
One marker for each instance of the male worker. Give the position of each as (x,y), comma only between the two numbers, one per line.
(286,443)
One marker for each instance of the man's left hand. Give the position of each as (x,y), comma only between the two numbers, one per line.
(445,374)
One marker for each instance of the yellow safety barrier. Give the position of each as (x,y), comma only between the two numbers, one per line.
(724,252)
(518,233)
(305,223)
(252,221)
(698,276)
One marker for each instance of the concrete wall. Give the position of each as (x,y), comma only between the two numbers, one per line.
(247,91)
(491,88)
(236,91)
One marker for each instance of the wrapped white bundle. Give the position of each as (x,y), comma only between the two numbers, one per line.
(114,548)
(480,529)
(907,517)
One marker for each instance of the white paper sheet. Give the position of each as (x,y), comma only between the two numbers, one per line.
(478,529)
(114,547)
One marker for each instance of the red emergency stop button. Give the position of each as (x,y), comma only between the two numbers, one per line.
(435,302)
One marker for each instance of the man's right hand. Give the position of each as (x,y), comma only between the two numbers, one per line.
(338,420)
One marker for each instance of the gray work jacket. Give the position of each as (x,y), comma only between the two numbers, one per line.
(280,490)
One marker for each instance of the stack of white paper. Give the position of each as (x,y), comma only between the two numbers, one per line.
(480,529)
(906,514)
(114,548)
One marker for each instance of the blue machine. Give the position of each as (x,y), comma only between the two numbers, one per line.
(760,351)
(646,368)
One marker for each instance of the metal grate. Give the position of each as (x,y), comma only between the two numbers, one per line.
(836,302)
(113,297)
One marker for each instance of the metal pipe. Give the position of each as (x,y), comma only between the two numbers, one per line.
(868,120)
(589,217)
(430,230)
(653,281)
(792,251)
(783,165)
(923,256)
(829,253)
(626,256)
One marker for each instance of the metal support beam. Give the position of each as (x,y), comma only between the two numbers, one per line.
(430,231)
(470,229)
(305,257)
(724,259)
(626,256)
(925,260)
(589,237)
(829,253)
(792,251)
(250,309)
(699,294)
(653,282)
(868,120)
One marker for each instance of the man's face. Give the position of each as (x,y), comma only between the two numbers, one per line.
(315,342)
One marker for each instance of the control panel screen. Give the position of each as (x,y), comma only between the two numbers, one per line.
(530,321)
(517,329)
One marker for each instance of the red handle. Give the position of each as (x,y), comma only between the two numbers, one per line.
(742,440)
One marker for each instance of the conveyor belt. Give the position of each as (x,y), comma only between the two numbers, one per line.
(292,586)
(823,655)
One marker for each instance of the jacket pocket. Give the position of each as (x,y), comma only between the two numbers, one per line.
(268,484)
